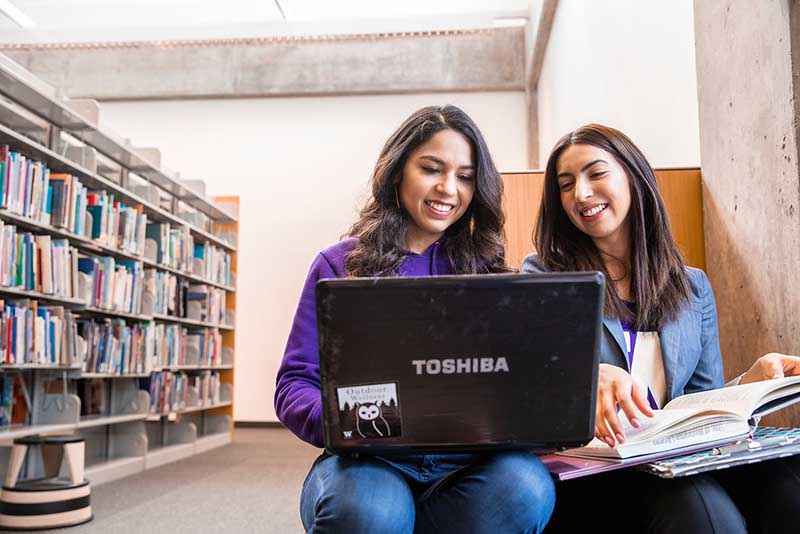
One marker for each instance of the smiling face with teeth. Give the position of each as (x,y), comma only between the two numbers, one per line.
(437,187)
(596,196)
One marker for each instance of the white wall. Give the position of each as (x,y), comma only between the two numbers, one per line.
(629,64)
(301,167)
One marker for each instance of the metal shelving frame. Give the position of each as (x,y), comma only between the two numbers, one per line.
(38,121)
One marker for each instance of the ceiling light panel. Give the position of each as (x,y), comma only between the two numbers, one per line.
(96,14)
(12,13)
(331,10)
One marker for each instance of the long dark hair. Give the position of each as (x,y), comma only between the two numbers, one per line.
(658,277)
(473,244)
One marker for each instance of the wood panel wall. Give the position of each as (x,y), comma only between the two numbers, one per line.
(680,189)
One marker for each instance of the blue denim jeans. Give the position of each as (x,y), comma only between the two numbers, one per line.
(506,492)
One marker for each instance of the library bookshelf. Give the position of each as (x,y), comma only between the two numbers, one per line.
(118,290)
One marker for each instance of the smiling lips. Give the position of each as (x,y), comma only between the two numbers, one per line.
(593,212)
(440,208)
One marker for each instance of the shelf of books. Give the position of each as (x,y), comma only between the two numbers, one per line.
(117,290)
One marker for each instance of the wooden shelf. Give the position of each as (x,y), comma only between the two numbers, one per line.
(159,456)
(42,100)
(91,310)
(193,368)
(115,469)
(211,441)
(26,294)
(184,274)
(109,375)
(191,409)
(33,117)
(189,322)
(19,431)
(102,420)
(46,366)
(89,245)
(59,163)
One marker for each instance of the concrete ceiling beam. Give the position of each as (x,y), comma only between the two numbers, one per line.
(472,60)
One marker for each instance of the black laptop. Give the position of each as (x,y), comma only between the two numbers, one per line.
(459,363)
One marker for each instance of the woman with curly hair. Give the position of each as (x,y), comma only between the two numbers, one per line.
(435,209)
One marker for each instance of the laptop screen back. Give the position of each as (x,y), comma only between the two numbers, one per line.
(459,362)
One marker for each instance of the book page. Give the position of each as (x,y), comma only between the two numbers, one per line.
(650,426)
(685,432)
(742,400)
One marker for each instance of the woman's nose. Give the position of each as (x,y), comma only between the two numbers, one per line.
(583,190)
(448,184)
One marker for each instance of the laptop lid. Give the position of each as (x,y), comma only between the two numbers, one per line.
(458,363)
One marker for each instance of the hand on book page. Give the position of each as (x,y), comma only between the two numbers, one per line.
(672,431)
(772,365)
(617,388)
(698,418)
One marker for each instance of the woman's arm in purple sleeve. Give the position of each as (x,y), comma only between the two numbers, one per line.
(298,397)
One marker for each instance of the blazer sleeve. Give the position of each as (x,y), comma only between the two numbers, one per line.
(532,264)
(708,373)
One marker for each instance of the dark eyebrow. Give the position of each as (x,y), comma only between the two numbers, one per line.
(592,163)
(567,174)
(433,159)
(441,162)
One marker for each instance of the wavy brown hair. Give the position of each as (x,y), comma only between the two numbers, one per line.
(658,276)
(473,244)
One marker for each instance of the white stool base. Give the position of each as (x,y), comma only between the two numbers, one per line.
(45,504)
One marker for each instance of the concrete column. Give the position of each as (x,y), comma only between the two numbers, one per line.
(540,23)
(532,100)
(751,180)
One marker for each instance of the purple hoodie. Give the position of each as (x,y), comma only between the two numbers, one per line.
(298,397)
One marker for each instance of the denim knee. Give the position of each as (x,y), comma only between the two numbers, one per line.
(364,495)
(527,487)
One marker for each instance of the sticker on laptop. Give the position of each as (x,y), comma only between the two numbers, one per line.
(369,411)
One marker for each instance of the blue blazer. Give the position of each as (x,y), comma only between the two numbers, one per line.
(689,344)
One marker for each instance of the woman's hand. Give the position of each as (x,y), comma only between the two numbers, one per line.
(617,387)
(772,365)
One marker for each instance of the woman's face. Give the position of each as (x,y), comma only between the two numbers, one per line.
(437,186)
(595,194)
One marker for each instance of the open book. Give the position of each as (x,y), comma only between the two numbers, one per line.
(698,418)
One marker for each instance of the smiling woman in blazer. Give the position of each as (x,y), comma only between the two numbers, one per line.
(601,211)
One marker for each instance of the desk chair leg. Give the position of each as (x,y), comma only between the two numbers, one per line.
(73,454)
(15,464)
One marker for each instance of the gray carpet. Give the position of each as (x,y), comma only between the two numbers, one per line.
(251,485)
